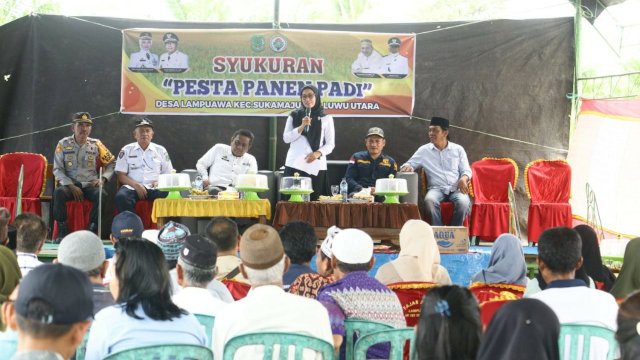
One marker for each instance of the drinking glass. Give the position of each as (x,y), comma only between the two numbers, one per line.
(335,190)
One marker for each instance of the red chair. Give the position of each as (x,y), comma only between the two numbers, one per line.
(490,292)
(548,185)
(490,190)
(33,185)
(411,295)
(237,289)
(77,216)
(446,207)
(488,309)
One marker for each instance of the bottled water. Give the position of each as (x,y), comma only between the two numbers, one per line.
(344,188)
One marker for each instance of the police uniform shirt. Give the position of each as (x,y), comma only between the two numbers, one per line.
(363,171)
(144,166)
(143,60)
(395,64)
(224,166)
(370,64)
(73,162)
(177,60)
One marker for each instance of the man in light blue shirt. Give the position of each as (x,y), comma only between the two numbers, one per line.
(448,173)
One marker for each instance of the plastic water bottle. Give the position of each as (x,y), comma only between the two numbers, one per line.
(344,189)
(197,184)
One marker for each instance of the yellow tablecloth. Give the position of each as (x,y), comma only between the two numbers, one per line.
(208,208)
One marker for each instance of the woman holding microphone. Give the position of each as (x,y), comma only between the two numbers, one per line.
(311,137)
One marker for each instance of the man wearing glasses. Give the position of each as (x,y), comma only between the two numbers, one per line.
(225,162)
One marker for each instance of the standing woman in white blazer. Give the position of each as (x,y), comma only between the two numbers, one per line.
(311,137)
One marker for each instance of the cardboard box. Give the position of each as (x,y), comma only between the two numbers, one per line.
(452,239)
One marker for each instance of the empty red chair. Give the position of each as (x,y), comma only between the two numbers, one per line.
(490,190)
(33,185)
(548,185)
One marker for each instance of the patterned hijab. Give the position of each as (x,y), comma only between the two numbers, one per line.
(316,112)
(506,264)
(629,278)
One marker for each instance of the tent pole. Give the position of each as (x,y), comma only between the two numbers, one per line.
(273,121)
(575,98)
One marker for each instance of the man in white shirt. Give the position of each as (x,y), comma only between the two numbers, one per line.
(173,60)
(138,167)
(225,162)
(144,59)
(368,60)
(267,307)
(31,232)
(559,256)
(394,63)
(196,268)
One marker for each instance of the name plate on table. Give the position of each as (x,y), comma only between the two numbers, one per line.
(452,239)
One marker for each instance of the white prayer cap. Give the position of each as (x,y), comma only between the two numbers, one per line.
(352,246)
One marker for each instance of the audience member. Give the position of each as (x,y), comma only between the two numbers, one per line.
(419,258)
(628,279)
(31,234)
(171,240)
(267,307)
(355,294)
(506,264)
(449,325)
(524,329)
(84,251)
(53,312)
(125,224)
(196,268)
(559,255)
(224,232)
(309,284)
(299,241)
(628,334)
(5,216)
(592,260)
(9,276)
(144,313)
(9,335)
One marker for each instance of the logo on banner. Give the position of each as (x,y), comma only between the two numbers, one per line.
(278,43)
(257,43)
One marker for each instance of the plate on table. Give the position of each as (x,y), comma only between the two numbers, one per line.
(329,201)
(358,201)
(200,197)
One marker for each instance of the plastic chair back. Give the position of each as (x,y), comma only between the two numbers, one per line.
(268,340)
(355,328)
(82,348)
(587,332)
(207,322)
(164,352)
(397,338)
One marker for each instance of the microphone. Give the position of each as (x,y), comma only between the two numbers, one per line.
(306,128)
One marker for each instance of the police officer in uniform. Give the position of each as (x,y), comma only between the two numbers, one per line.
(144,59)
(173,58)
(394,63)
(75,166)
(365,167)
(138,167)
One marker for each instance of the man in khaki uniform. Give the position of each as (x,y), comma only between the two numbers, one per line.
(76,162)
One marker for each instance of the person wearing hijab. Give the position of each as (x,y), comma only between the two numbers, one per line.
(449,327)
(310,133)
(419,258)
(629,278)
(522,329)
(628,333)
(506,264)
(10,275)
(592,260)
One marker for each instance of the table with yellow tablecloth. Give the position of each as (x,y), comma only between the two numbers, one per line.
(167,208)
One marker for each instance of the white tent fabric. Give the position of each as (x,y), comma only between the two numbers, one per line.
(605,153)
